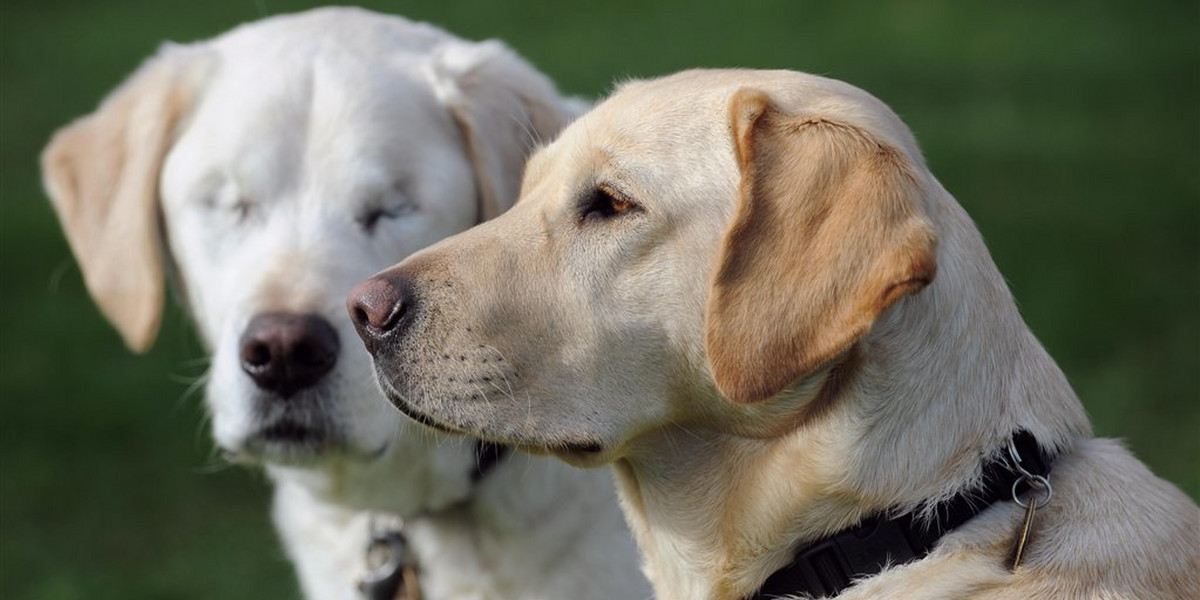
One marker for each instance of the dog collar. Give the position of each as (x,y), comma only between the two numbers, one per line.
(393,569)
(826,567)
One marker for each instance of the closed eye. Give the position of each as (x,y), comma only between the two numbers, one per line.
(240,209)
(223,197)
(604,204)
(369,219)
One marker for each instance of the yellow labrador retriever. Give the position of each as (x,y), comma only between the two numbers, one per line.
(746,292)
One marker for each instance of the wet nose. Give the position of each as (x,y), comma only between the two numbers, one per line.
(379,306)
(287,352)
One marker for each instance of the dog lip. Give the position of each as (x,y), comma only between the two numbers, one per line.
(589,454)
(293,426)
(398,401)
(592,447)
(291,432)
(585,449)
(284,445)
(296,444)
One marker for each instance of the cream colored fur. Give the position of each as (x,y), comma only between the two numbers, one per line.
(252,163)
(746,292)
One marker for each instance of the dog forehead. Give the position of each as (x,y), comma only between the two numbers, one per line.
(345,66)
(638,132)
(354,29)
(275,123)
(697,102)
(682,114)
(662,136)
(324,83)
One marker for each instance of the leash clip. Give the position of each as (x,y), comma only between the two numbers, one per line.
(391,570)
(1034,480)
(1037,483)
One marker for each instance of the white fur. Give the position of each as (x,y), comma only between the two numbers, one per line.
(295,128)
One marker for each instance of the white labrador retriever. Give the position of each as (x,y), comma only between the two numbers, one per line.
(287,160)
(746,291)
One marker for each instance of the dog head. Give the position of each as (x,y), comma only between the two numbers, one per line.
(696,250)
(272,168)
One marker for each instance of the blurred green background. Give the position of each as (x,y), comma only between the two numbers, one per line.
(1069,130)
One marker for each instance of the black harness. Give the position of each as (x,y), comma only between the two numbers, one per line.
(829,565)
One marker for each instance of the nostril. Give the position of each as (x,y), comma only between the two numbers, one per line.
(359,315)
(398,311)
(256,354)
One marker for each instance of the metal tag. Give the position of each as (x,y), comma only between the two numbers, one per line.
(1037,484)
(1023,536)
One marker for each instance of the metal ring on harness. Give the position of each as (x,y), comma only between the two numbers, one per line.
(1036,483)
(384,579)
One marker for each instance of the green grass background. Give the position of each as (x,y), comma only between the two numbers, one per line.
(1069,130)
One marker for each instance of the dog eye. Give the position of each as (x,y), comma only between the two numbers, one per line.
(238,209)
(372,216)
(226,200)
(604,204)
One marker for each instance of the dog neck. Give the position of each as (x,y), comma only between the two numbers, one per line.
(535,504)
(908,418)
(465,548)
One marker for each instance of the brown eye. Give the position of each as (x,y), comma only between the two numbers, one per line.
(603,204)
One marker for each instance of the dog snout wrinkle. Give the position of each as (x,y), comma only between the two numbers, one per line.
(285,352)
(380,306)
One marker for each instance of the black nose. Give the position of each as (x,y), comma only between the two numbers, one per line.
(285,353)
(379,306)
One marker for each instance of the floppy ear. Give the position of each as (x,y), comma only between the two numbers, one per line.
(504,109)
(101,173)
(829,231)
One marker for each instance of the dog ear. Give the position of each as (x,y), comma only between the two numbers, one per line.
(102,172)
(830,231)
(504,109)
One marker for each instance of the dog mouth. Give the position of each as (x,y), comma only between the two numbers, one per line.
(585,454)
(291,443)
(292,433)
(580,452)
(585,448)
(409,411)
(288,441)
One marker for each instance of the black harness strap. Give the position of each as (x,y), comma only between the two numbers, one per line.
(828,566)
